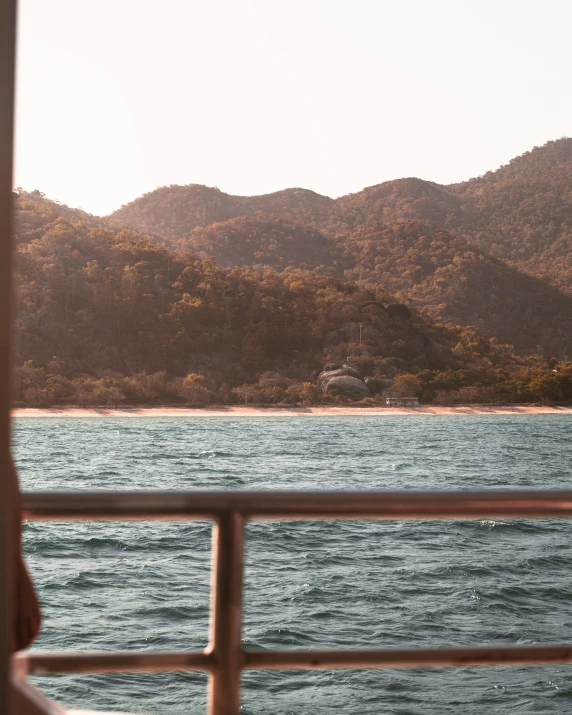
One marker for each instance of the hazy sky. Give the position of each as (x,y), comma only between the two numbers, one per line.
(117,97)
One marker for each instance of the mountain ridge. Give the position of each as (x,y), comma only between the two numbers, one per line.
(520,212)
(494,252)
(103,314)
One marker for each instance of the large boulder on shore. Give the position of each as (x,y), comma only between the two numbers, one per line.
(329,366)
(347,386)
(326,375)
(330,371)
(377,384)
(343,380)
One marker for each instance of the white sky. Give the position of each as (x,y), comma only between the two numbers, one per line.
(117,97)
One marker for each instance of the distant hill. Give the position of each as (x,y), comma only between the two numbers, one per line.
(494,252)
(520,213)
(34,213)
(177,210)
(456,281)
(263,240)
(523,212)
(471,253)
(400,199)
(428,267)
(103,314)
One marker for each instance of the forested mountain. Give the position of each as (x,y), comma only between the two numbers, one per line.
(427,267)
(177,210)
(455,281)
(523,212)
(409,198)
(107,315)
(520,213)
(263,240)
(35,213)
(471,253)
(214,297)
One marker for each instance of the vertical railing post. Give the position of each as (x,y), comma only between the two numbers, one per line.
(226,615)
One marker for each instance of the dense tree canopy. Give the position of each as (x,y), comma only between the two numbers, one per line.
(177,210)
(467,253)
(107,315)
(189,294)
(453,280)
(264,240)
(520,213)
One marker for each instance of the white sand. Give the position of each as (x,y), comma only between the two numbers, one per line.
(245,411)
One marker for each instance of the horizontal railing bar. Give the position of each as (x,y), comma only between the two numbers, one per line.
(110,662)
(408,658)
(124,505)
(113,661)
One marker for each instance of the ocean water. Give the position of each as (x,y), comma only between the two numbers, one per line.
(145,585)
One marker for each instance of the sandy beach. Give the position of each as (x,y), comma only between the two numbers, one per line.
(246,411)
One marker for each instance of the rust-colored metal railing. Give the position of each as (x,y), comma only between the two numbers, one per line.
(224,658)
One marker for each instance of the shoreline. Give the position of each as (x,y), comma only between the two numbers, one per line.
(274,411)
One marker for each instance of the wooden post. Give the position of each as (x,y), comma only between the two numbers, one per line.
(7,65)
(226,615)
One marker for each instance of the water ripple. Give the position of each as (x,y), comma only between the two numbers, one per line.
(307,584)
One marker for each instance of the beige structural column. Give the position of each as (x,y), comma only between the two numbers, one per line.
(7,64)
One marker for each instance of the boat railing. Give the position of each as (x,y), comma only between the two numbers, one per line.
(224,658)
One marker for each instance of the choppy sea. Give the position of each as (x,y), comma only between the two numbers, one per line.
(145,585)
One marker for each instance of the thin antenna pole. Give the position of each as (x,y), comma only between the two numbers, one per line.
(7,516)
